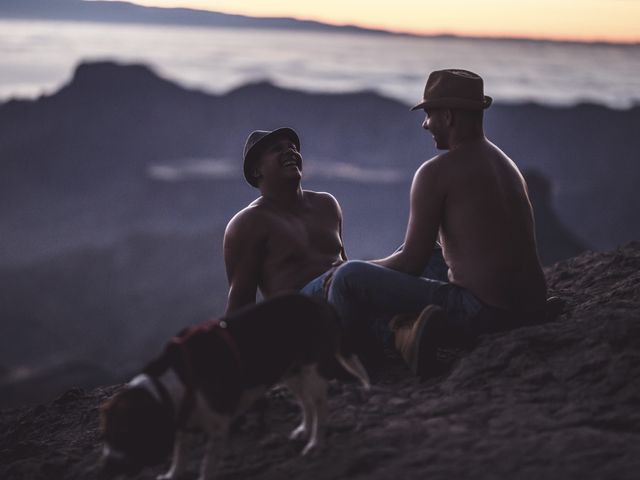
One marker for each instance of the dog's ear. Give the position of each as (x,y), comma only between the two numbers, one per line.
(104,413)
(108,411)
(113,416)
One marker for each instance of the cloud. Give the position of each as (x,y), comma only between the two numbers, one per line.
(193,169)
(350,172)
(221,168)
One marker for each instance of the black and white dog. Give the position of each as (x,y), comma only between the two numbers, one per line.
(215,371)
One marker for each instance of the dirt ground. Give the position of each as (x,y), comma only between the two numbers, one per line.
(552,401)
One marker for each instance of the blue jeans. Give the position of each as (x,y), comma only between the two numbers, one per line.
(367,296)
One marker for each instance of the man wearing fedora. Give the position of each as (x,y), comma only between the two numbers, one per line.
(287,236)
(473,199)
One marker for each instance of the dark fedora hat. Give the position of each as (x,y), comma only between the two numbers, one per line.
(257,141)
(454,88)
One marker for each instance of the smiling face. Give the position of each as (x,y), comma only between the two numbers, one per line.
(279,161)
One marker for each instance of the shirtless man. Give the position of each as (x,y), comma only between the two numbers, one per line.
(475,201)
(287,236)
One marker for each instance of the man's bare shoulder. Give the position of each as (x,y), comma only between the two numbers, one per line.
(324,197)
(446,165)
(321,200)
(250,217)
(435,166)
(435,177)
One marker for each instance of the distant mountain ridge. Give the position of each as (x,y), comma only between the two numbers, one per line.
(125,12)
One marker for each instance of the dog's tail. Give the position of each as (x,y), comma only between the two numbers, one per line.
(351,363)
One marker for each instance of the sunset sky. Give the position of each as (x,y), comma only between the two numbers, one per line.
(588,20)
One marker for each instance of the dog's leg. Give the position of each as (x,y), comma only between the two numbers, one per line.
(217,427)
(316,391)
(296,386)
(213,454)
(178,461)
(353,365)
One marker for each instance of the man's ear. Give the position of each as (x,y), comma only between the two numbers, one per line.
(448,116)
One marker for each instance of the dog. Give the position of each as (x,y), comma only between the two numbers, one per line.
(213,372)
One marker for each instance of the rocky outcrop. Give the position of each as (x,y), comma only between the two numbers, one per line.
(554,401)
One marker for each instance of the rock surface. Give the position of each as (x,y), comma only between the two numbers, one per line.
(552,401)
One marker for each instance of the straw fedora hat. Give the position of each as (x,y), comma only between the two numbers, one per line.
(257,141)
(454,88)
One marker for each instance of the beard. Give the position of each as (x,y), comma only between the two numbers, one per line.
(441,144)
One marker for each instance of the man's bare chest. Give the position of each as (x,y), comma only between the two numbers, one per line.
(303,236)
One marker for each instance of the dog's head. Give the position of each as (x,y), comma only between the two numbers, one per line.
(137,430)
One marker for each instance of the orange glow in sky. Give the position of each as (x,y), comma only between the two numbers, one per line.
(586,20)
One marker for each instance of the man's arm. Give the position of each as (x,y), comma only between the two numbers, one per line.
(425,216)
(243,256)
(338,214)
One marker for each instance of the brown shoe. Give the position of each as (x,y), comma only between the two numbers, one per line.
(412,338)
(402,320)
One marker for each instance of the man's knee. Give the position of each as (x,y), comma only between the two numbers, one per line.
(350,273)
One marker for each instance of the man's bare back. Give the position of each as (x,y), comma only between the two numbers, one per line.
(474,199)
(487,228)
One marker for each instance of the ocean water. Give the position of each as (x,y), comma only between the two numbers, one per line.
(38,57)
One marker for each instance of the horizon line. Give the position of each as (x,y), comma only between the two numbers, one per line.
(350,27)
